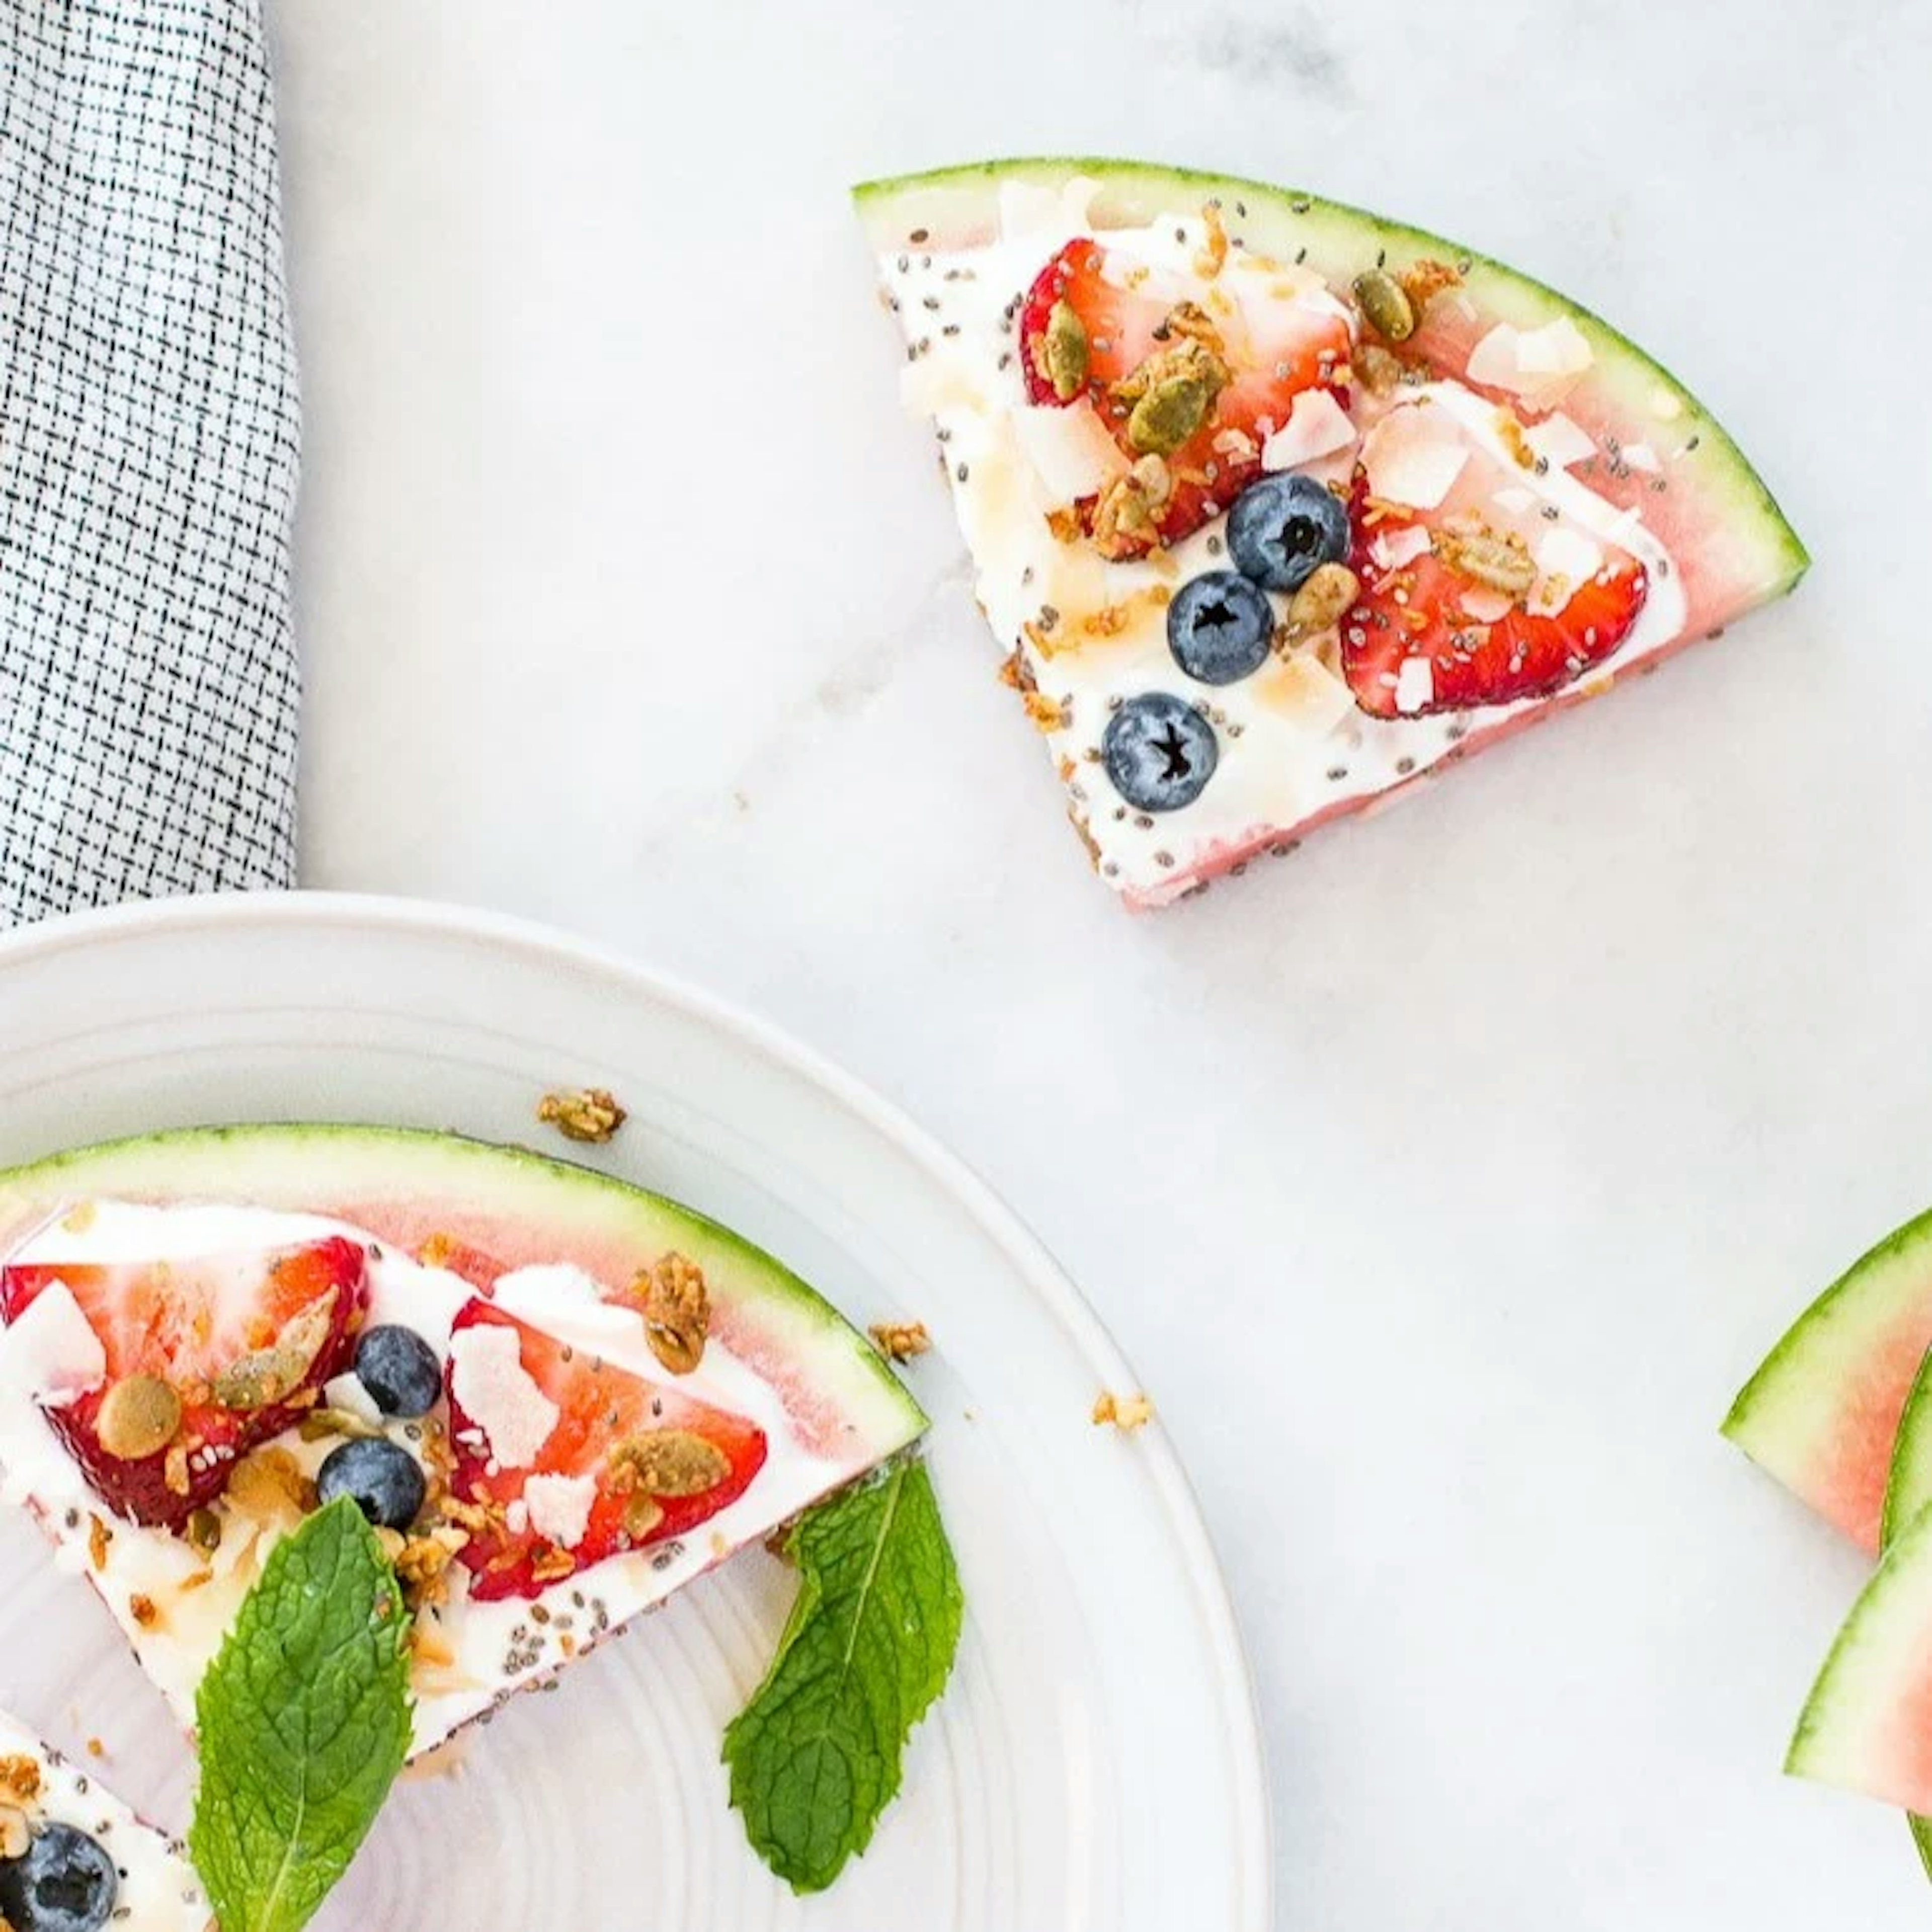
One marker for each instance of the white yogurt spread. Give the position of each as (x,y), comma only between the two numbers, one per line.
(469,1654)
(1292,742)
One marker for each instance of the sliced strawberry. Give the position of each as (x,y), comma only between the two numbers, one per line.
(1273,349)
(1418,610)
(230,1349)
(661,1462)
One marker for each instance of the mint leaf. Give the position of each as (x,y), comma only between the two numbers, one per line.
(815,1755)
(304,1718)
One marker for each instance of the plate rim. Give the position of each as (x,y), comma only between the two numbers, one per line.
(217,913)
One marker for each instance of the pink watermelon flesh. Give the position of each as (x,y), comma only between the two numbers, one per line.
(1822,1414)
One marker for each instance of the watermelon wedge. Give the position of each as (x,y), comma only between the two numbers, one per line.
(1867,1726)
(1822,1414)
(1115,355)
(590,1469)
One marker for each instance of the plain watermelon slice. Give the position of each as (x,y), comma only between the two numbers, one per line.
(1868,1724)
(1657,451)
(1822,1414)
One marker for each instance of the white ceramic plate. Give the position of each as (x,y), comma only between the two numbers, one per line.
(1095,1767)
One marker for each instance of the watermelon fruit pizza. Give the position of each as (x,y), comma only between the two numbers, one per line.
(484,1408)
(74,1858)
(1275,506)
(1840,1413)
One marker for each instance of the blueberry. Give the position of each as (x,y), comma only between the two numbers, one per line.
(1159,751)
(385,1480)
(64,1882)
(1220,626)
(1282,526)
(399,1370)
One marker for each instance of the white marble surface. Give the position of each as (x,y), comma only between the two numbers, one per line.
(1445,1179)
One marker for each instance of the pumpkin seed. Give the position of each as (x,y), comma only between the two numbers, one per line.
(1062,352)
(138,1417)
(1168,414)
(265,1376)
(1171,393)
(319,1424)
(1386,307)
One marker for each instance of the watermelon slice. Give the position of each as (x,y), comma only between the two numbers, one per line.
(636,1477)
(1868,1724)
(1537,507)
(1822,1414)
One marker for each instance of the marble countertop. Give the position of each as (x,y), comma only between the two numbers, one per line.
(1443,1180)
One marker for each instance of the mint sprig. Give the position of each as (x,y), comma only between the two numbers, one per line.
(816,1756)
(304,1721)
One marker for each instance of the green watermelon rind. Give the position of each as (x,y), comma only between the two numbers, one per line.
(1341,240)
(312,1167)
(1908,1488)
(1786,1409)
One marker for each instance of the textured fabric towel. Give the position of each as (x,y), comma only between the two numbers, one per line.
(148,444)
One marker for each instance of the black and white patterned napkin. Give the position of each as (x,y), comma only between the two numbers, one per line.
(148,446)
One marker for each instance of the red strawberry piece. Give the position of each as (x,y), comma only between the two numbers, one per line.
(236,1346)
(1417,610)
(1273,349)
(660,1463)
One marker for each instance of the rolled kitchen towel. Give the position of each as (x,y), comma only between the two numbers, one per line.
(148,447)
